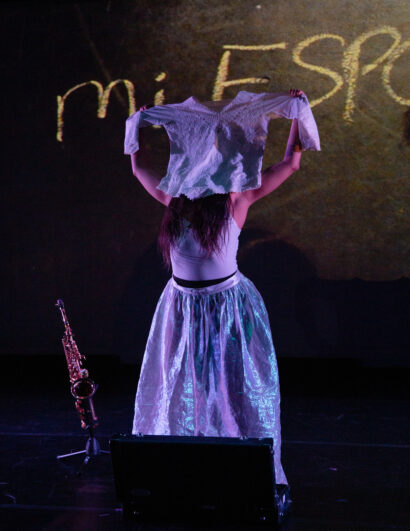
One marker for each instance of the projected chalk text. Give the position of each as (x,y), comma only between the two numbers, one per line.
(103,95)
(351,71)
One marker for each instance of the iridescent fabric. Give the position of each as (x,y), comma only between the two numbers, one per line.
(209,367)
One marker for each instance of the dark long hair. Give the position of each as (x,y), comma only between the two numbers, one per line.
(207,217)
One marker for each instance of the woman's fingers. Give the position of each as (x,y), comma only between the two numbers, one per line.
(296,92)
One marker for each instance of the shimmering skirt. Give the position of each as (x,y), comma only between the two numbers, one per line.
(209,367)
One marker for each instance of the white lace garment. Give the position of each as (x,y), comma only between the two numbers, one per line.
(218,146)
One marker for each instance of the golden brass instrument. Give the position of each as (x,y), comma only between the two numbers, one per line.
(83,387)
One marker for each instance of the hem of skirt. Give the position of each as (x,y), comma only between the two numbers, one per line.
(209,290)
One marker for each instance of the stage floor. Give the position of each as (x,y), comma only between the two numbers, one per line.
(345,449)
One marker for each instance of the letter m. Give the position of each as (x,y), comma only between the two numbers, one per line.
(103,95)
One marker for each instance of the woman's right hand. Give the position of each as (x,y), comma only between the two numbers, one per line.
(142,135)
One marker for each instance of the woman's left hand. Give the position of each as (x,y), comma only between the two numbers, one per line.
(296,93)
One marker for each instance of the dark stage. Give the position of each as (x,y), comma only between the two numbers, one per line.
(345,446)
(328,250)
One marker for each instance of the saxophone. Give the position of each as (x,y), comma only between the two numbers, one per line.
(82,386)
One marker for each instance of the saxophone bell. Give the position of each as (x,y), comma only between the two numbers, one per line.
(83,388)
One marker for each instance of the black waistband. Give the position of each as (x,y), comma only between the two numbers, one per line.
(200,283)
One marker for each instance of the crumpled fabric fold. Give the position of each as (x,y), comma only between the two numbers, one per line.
(217,147)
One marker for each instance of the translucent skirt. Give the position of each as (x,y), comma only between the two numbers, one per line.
(209,367)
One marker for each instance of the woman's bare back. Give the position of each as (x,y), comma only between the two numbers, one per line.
(239,208)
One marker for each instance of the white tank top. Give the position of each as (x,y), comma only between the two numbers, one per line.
(190,262)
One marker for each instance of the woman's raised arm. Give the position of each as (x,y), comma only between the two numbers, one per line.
(275,175)
(148,177)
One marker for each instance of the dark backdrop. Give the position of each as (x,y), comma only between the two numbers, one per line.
(328,250)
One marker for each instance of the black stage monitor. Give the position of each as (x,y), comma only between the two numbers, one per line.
(184,478)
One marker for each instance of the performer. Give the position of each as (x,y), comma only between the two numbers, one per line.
(209,367)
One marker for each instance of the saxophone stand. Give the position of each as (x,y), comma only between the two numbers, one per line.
(92,447)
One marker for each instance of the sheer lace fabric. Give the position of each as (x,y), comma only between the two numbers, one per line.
(218,147)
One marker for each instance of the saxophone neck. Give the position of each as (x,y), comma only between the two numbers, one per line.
(60,306)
